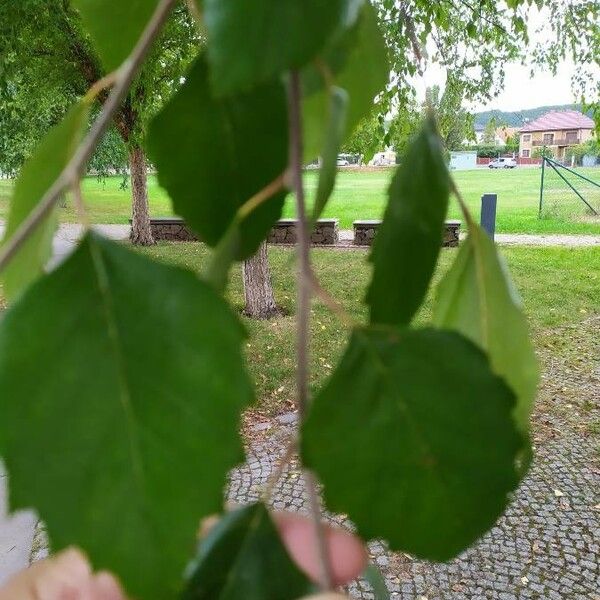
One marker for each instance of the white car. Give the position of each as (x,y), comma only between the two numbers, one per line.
(342,162)
(503,163)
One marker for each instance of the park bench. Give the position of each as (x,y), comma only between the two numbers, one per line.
(364,232)
(325,232)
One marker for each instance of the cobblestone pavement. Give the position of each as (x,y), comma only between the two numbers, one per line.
(546,547)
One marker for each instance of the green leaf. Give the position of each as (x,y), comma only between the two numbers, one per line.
(477,298)
(253,41)
(377,582)
(431,459)
(37,176)
(115,26)
(409,240)
(214,155)
(121,387)
(358,61)
(243,558)
(367,70)
(335,133)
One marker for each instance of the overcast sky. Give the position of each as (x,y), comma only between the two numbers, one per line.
(521,90)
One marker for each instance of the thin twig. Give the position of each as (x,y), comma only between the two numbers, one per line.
(267,192)
(100,85)
(461,201)
(330,302)
(227,249)
(75,167)
(82,213)
(282,463)
(304,294)
(304,287)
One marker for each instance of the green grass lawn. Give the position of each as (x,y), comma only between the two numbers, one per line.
(559,286)
(362,195)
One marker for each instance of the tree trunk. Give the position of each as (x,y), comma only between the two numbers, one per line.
(258,289)
(141,233)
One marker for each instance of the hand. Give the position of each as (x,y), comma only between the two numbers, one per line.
(68,576)
(347,554)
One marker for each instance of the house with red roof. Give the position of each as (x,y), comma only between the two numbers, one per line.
(556,130)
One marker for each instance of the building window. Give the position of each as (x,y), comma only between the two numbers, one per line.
(549,139)
(525,154)
(572,137)
(527,137)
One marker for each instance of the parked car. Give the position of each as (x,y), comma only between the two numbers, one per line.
(383,159)
(503,163)
(342,162)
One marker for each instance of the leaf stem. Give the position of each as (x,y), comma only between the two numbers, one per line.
(332,303)
(122,80)
(282,464)
(265,194)
(224,254)
(461,201)
(82,214)
(304,283)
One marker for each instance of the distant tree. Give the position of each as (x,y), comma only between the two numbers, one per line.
(542,152)
(474,40)
(489,132)
(110,157)
(403,127)
(46,56)
(455,122)
(367,138)
(589,148)
(489,151)
(24,117)
(512,143)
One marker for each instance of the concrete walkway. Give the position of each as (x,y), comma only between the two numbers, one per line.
(16,535)
(515,239)
(17,531)
(525,239)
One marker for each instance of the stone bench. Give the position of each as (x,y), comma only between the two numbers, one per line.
(171,229)
(174,229)
(325,233)
(364,233)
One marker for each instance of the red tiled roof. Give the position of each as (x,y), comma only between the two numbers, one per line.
(564,119)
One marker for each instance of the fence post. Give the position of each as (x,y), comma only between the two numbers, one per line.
(542,187)
(488,213)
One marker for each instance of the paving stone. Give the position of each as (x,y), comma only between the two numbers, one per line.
(537,538)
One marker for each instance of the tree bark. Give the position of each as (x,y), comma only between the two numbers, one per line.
(258,288)
(141,233)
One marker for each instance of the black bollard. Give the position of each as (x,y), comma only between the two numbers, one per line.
(488,213)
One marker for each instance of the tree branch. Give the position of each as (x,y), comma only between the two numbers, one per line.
(76,165)
(303,318)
